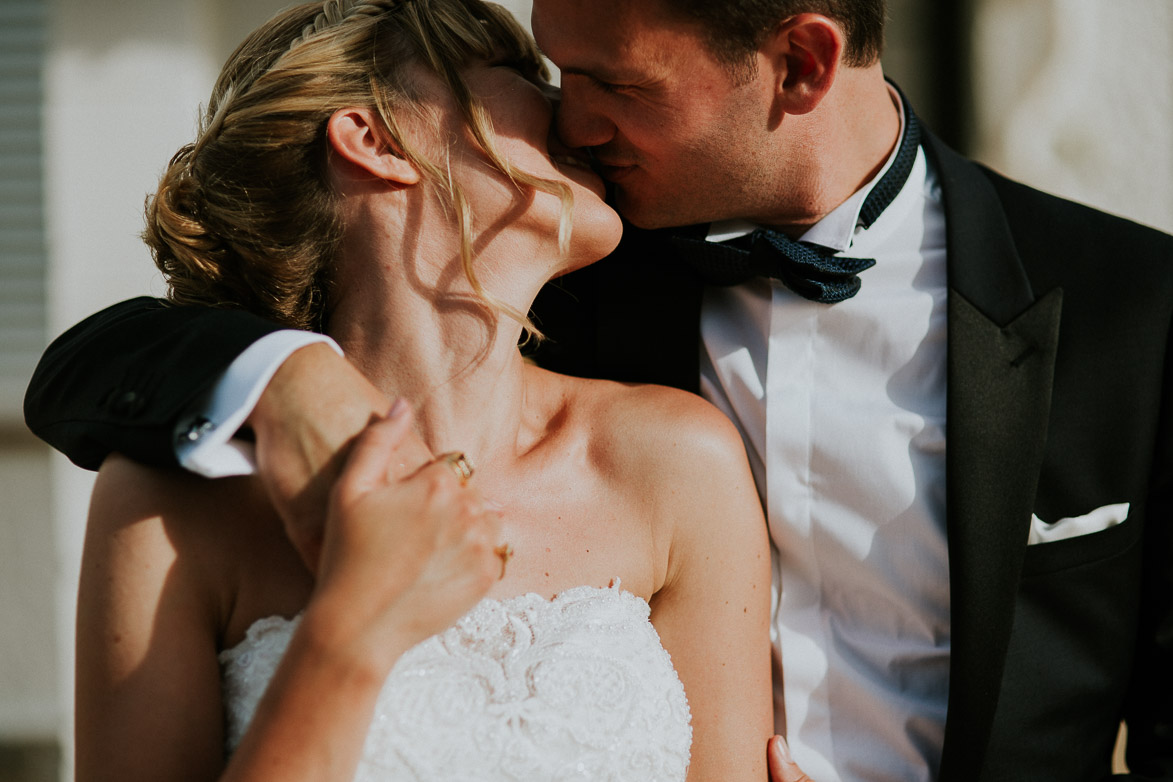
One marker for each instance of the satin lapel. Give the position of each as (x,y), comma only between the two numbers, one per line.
(1002,345)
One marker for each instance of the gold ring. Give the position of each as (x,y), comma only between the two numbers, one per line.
(459,464)
(505,551)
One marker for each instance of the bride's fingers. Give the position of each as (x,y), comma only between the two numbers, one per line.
(781,764)
(408,453)
(375,453)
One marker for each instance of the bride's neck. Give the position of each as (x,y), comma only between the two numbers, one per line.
(449,354)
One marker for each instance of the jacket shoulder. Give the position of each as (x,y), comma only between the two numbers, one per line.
(1053,212)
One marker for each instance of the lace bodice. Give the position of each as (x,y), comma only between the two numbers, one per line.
(574,688)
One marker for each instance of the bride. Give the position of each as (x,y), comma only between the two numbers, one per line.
(592,604)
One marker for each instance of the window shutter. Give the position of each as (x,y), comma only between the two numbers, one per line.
(23,33)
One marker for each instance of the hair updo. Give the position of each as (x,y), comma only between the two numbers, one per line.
(245,216)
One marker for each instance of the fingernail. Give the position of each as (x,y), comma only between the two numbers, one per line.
(783,749)
(397,409)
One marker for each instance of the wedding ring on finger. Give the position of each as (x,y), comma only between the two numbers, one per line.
(459,464)
(505,551)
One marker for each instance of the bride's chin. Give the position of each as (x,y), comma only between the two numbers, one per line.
(601,226)
(591,241)
(579,260)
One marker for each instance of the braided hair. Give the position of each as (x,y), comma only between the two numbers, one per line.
(245,216)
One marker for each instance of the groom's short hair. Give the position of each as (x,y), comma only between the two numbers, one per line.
(736,28)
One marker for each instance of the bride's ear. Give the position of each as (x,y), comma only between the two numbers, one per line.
(353,135)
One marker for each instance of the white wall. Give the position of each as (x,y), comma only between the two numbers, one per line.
(28,643)
(1076,97)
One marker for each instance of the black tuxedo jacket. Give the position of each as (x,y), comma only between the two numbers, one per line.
(1060,400)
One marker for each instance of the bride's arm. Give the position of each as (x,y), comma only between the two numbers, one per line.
(712,611)
(403,557)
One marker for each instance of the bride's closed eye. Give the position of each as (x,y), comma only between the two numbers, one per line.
(526,67)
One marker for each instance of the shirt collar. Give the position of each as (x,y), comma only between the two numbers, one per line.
(838,228)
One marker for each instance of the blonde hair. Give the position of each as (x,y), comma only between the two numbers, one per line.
(245,216)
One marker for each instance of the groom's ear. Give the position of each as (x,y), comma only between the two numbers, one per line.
(804,53)
(356,136)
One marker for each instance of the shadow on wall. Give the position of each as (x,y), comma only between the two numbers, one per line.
(927,51)
(30,762)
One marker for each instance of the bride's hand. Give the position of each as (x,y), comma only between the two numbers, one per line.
(408,548)
(782,766)
(305,424)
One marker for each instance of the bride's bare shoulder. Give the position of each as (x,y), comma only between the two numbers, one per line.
(649,432)
(206,534)
(127,493)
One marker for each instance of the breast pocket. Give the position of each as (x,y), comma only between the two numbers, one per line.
(1075,541)
(1098,520)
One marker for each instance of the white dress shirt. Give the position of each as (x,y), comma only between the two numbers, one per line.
(205,437)
(842,409)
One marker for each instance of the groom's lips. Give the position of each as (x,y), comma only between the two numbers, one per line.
(614,173)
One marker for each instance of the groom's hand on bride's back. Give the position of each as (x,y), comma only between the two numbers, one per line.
(304,424)
(782,766)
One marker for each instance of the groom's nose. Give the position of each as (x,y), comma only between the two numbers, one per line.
(579,122)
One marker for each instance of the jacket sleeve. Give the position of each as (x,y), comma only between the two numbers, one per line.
(1149,707)
(120,379)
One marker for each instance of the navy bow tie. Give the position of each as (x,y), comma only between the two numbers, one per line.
(810,270)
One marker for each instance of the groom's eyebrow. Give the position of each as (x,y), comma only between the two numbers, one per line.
(600,72)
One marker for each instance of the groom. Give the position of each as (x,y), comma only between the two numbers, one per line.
(956,392)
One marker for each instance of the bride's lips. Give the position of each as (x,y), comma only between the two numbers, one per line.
(572,160)
(579,165)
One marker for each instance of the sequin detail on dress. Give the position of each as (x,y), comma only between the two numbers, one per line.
(526,689)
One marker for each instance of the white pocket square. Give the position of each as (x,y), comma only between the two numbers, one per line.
(1098,520)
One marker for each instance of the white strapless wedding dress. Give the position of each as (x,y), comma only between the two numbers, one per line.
(519,690)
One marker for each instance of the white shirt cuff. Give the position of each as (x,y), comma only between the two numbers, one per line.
(205,438)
